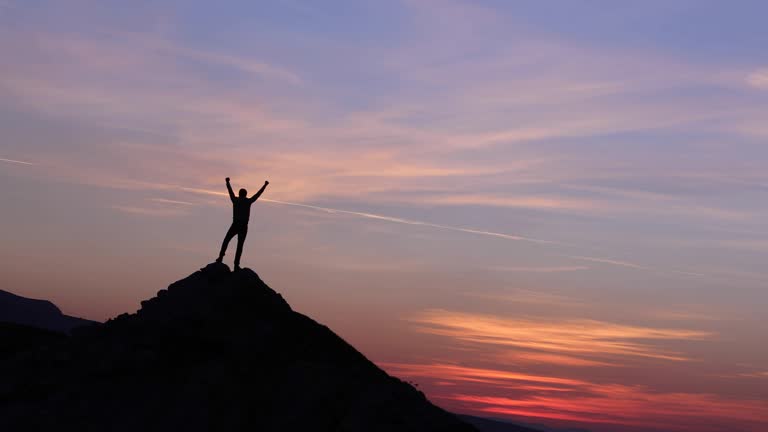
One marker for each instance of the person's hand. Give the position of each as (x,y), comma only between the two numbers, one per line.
(266,182)
(227,179)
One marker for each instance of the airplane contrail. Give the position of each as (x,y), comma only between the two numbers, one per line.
(168,201)
(477,232)
(16,161)
(400,221)
(386,218)
(444,227)
(612,262)
(414,222)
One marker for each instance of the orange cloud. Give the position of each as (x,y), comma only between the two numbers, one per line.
(556,359)
(570,336)
(469,374)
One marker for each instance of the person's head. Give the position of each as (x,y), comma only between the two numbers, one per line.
(243,193)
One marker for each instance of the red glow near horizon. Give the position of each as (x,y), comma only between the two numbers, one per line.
(585,402)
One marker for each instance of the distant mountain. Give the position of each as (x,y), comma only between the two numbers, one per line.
(490,425)
(36,313)
(216,351)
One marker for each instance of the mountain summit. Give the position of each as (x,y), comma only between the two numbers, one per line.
(218,350)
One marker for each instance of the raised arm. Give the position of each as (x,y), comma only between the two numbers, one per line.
(229,188)
(261,191)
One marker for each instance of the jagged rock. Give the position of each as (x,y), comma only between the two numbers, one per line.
(215,351)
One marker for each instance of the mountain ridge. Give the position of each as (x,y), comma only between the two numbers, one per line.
(218,350)
(36,313)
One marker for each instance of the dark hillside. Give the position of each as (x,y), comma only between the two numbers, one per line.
(215,351)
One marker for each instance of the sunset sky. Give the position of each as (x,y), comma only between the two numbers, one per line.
(550,212)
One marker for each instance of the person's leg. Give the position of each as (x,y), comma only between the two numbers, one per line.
(242,232)
(230,233)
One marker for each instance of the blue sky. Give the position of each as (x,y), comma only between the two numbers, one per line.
(442,173)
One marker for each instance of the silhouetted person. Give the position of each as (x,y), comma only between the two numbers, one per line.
(241,212)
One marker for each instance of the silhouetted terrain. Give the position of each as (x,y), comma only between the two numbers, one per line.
(16,337)
(36,313)
(490,425)
(215,351)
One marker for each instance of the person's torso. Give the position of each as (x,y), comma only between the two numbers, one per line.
(241,210)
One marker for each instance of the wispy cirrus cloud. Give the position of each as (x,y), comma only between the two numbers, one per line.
(758,79)
(594,205)
(573,337)
(198,111)
(519,295)
(762,375)
(470,374)
(552,269)
(149,211)
(533,202)
(245,64)
(556,359)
